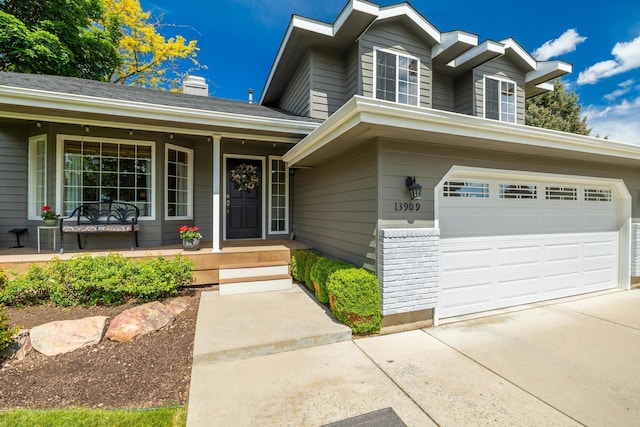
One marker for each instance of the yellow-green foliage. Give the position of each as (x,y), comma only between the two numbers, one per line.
(354,298)
(108,280)
(320,274)
(311,260)
(298,263)
(6,332)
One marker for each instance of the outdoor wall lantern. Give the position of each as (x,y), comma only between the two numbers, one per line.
(415,189)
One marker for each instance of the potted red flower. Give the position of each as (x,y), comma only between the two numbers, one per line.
(190,237)
(49,217)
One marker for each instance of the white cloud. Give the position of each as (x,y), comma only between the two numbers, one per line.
(627,57)
(625,87)
(618,122)
(566,43)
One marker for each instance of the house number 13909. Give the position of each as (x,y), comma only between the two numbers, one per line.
(407,206)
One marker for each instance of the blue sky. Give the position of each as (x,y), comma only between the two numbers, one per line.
(238,40)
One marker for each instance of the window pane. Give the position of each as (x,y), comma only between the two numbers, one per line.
(385,76)
(178,179)
(96,171)
(278,200)
(491,99)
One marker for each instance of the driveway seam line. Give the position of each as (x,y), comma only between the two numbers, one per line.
(397,384)
(597,317)
(505,379)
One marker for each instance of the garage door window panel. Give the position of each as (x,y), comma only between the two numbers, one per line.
(466,189)
(517,191)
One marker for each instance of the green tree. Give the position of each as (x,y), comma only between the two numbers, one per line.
(58,37)
(557,109)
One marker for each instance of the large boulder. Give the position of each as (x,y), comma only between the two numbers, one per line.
(64,336)
(140,320)
(177,305)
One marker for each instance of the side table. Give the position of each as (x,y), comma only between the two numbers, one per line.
(48,227)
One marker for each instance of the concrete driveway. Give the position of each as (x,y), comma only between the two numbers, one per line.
(569,363)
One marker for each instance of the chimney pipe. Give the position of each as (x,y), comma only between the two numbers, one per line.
(250,96)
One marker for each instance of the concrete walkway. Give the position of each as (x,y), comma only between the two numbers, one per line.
(278,359)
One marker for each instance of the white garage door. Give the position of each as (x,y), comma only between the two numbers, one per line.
(507,241)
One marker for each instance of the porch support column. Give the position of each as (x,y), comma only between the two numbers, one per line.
(217,167)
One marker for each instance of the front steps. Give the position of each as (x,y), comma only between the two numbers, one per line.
(246,278)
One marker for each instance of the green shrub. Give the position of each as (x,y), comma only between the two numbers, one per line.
(312,258)
(354,297)
(320,274)
(100,280)
(298,263)
(6,332)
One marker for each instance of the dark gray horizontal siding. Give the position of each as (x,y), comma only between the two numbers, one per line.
(463,89)
(443,93)
(14,143)
(327,83)
(335,206)
(296,97)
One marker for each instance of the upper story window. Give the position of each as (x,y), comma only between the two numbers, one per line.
(499,100)
(396,77)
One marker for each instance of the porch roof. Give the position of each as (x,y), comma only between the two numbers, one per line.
(79,101)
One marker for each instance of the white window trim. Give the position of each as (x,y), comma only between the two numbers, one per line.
(500,80)
(397,54)
(190,160)
(32,212)
(60,139)
(286,197)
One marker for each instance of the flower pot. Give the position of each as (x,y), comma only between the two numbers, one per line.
(50,222)
(191,245)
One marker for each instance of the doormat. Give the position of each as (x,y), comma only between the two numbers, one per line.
(381,418)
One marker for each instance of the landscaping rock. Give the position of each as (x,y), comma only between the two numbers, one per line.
(140,320)
(65,336)
(177,305)
(19,346)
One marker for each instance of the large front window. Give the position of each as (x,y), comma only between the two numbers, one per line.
(396,77)
(499,100)
(103,170)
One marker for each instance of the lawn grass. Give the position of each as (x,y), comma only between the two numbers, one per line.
(158,417)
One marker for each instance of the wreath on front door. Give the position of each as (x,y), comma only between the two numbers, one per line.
(245,177)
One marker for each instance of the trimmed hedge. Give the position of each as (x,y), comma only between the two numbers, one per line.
(100,280)
(298,263)
(354,298)
(320,274)
(312,259)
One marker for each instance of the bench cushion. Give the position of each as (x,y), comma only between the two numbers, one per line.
(99,228)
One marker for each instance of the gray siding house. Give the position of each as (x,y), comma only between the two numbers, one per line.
(508,214)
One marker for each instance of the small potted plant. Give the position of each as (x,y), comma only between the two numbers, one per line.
(190,237)
(49,216)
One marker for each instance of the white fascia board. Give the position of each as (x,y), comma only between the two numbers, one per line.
(452,38)
(523,54)
(385,113)
(354,5)
(137,110)
(487,46)
(547,70)
(394,11)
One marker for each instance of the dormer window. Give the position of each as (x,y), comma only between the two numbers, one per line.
(396,77)
(499,99)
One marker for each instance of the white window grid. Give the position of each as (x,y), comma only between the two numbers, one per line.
(179,184)
(561,193)
(499,99)
(466,189)
(279,196)
(396,77)
(517,191)
(598,195)
(37,175)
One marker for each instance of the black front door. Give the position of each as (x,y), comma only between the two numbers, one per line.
(244,198)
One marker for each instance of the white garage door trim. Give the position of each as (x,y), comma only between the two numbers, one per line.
(577,243)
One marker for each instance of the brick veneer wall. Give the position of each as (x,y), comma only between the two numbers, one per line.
(635,249)
(408,269)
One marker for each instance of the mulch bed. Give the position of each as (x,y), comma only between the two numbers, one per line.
(153,370)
